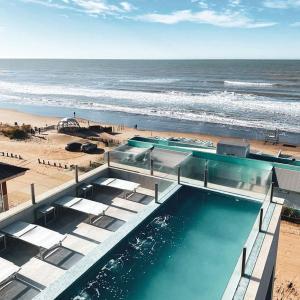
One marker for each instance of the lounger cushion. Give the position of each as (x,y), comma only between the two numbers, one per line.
(7,269)
(83,205)
(34,234)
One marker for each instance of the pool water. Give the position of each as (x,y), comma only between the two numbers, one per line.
(188,250)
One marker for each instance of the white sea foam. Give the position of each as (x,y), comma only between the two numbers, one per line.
(154,80)
(245,83)
(214,107)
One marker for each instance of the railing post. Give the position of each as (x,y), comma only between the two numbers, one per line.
(108,158)
(178,175)
(272,192)
(76,174)
(244,261)
(32,193)
(273,175)
(261,219)
(205,174)
(151,167)
(156,192)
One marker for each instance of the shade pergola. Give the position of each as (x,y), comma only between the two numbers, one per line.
(7,172)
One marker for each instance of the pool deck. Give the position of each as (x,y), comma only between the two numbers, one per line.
(81,239)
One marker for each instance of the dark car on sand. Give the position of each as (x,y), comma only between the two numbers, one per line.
(74,146)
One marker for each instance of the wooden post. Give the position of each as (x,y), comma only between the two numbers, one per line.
(3,191)
(32,193)
(244,261)
(156,192)
(261,219)
(76,174)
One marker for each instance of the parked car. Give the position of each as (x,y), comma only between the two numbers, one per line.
(89,147)
(74,146)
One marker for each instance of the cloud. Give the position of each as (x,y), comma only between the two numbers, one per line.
(234,3)
(203,4)
(282,4)
(91,7)
(96,7)
(227,19)
(47,3)
(127,6)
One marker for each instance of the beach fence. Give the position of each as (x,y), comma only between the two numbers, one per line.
(11,155)
(119,127)
(90,166)
(53,164)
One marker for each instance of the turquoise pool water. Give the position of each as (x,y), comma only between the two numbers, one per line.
(188,250)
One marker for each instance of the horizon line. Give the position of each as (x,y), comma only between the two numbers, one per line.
(68,58)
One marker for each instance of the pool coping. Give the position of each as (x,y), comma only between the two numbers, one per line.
(249,285)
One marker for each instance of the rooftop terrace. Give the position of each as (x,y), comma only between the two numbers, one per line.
(157,173)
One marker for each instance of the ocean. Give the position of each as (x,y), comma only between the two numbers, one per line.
(239,98)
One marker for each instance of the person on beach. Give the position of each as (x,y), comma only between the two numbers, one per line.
(74,115)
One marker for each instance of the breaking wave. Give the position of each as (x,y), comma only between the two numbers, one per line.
(154,80)
(228,108)
(249,84)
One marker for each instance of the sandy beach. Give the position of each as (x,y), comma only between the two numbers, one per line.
(50,147)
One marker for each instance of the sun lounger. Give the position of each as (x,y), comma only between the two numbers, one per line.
(89,207)
(127,186)
(35,235)
(7,270)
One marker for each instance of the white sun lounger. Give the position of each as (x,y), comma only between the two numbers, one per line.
(89,207)
(7,270)
(35,235)
(125,185)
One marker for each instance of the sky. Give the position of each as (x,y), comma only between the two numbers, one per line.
(150,29)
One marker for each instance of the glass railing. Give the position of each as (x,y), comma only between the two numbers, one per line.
(165,185)
(192,171)
(238,179)
(223,176)
(127,160)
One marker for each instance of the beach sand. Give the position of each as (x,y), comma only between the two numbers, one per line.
(287,277)
(50,146)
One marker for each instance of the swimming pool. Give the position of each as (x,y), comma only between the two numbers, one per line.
(187,250)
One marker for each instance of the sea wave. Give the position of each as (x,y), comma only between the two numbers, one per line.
(247,110)
(247,83)
(183,114)
(153,80)
(218,101)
